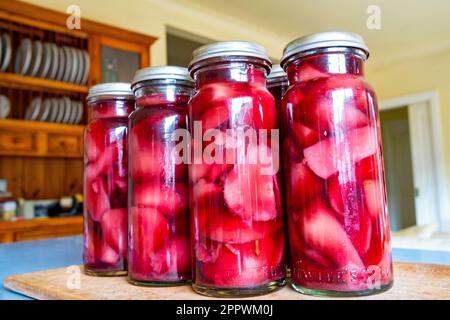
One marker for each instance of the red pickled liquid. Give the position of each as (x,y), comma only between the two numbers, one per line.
(106,187)
(334,177)
(236,213)
(159,212)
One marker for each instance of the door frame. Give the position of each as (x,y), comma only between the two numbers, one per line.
(432,99)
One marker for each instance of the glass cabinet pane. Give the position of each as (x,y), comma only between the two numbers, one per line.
(118,65)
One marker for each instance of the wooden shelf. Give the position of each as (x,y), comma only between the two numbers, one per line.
(40,139)
(40,228)
(16,81)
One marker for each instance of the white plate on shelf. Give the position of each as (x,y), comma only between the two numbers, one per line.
(5,106)
(68,110)
(61,110)
(74,112)
(79,112)
(34,109)
(80,70)
(54,66)
(46,60)
(54,109)
(68,69)
(6,51)
(87,67)
(46,109)
(23,57)
(36,58)
(62,64)
(75,65)
(1,48)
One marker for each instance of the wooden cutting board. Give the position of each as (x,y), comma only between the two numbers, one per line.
(412,281)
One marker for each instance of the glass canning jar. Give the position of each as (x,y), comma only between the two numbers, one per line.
(106,179)
(159,243)
(277,84)
(335,188)
(236,212)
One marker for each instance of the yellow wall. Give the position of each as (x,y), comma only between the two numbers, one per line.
(152,16)
(415,75)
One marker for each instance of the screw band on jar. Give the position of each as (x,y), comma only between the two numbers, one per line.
(159,242)
(229,51)
(334,170)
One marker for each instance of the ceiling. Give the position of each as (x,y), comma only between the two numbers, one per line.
(408,27)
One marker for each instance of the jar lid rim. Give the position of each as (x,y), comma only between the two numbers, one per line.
(161,73)
(276,73)
(323,40)
(228,48)
(110,88)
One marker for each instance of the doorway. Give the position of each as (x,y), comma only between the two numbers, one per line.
(410,130)
(398,167)
(180,45)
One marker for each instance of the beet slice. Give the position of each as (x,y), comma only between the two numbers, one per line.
(224,227)
(264,114)
(115,229)
(304,185)
(95,137)
(170,200)
(244,265)
(156,163)
(356,89)
(326,157)
(214,117)
(327,115)
(304,135)
(250,188)
(374,196)
(97,201)
(148,233)
(308,73)
(108,255)
(323,233)
(173,258)
(207,251)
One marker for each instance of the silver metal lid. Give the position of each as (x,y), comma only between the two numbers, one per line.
(228,48)
(110,89)
(323,40)
(161,73)
(276,73)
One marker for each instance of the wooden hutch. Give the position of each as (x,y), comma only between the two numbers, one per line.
(43,160)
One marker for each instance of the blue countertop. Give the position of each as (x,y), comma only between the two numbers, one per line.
(38,255)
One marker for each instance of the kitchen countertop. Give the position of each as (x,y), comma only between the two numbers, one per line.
(23,257)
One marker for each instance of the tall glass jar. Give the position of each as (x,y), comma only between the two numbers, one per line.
(236,212)
(277,84)
(335,189)
(106,179)
(159,243)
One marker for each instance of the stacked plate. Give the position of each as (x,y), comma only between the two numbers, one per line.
(58,110)
(5,51)
(5,106)
(47,60)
